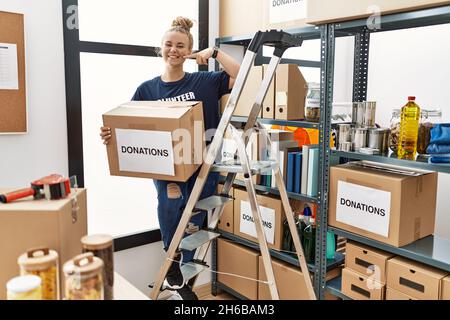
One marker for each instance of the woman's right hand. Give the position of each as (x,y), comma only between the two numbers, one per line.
(105,133)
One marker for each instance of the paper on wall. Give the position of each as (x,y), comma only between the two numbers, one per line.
(9,72)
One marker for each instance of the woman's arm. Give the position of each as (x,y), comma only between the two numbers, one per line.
(230,65)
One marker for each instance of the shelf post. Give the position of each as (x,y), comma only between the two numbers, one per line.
(361,65)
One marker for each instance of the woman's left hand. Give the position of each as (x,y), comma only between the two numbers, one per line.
(202,56)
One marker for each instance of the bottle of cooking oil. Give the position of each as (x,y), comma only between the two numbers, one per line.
(409,130)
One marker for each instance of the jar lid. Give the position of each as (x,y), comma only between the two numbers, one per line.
(23,283)
(97,241)
(83,264)
(38,258)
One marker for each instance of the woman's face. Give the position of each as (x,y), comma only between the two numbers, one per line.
(175,46)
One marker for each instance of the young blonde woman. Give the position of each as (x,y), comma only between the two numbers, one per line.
(176,84)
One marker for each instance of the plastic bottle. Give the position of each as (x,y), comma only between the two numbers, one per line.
(331,245)
(409,130)
(309,241)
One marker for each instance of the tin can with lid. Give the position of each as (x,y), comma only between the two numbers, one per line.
(84,278)
(42,262)
(102,246)
(360,138)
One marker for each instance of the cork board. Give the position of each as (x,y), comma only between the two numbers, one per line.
(13,110)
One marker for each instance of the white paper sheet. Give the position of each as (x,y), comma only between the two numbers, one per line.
(9,73)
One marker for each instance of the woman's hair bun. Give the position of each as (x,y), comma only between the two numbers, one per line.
(182,22)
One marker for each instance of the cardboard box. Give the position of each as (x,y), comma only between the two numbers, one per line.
(156,139)
(290,281)
(392,294)
(226,222)
(290,93)
(282,15)
(28,223)
(445,294)
(248,95)
(414,279)
(235,259)
(268,108)
(223,102)
(367,260)
(325,11)
(361,287)
(240,18)
(359,202)
(272,215)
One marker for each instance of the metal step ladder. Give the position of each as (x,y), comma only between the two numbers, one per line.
(201,240)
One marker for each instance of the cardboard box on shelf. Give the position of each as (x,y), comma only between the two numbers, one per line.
(223,102)
(146,136)
(239,18)
(228,254)
(290,281)
(284,14)
(290,93)
(361,287)
(367,260)
(394,208)
(392,294)
(445,294)
(414,279)
(325,11)
(248,95)
(272,215)
(268,107)
(28,223)
(226,222)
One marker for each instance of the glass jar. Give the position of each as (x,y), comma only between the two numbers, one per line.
(43,263)
(101,245)
(395,130)
(24,288)
(312,103)
(428,118)
(83,278)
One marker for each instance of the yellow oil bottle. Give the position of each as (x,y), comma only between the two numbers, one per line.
(409,130)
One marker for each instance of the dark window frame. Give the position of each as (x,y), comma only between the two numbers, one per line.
(72,49)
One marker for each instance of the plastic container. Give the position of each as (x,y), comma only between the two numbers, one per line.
(309,241)
(102,246)
(428,118)
(331,245)
(395,130)
(409,130)
(84,278)
(24,288)
(43,263)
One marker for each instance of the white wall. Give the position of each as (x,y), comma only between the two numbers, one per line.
(43,150)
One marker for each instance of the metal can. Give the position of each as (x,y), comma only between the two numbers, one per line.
(345,146)
(370,108)
(376,137)
(360,110)
(360,138)
(344,132)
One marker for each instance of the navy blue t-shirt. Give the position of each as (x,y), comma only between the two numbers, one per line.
(207,87)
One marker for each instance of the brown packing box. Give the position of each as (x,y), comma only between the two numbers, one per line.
(248,95)
(149,138)
(392,294)
(324,11)
(241,261)
(414,279)
(226,220)
(445,294)
(367,260)
(273,217)
(268,108)
(412,208)
(240,18)
(290,282)
(361,287)
(290,24)
(28,223)
(290,93)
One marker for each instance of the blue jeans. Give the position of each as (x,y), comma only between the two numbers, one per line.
(171,209)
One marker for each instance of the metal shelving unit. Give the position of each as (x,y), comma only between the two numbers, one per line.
(334,287)
(431,250)
(307,33)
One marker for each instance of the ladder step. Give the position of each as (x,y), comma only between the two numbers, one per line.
(197,239)
(256,167)
(190,270)
(212,203)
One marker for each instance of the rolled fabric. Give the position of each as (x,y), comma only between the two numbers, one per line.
(440,134)
(442,158)
(438,148)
